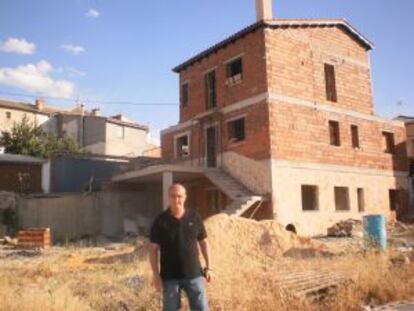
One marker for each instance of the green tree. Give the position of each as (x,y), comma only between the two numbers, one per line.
(29,139)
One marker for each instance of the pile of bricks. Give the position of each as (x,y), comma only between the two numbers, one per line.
(34,238)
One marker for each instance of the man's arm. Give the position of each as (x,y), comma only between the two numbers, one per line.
(153,255)
(205,251)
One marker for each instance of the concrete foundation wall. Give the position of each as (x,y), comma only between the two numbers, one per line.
(73,216)
(288,177)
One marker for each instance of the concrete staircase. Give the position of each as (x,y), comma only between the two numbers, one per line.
(242,198)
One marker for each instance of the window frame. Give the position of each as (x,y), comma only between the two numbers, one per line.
(330,83)
(176,138)
(316,197)
(361,199)
(336,142)
(232,79)
(184,99)
(355,144)
(211,91)
(229,123)
(348,201)
(389,145)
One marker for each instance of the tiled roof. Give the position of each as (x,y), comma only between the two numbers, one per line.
(4,103)
(48,110)
(129,124)
(282,23)
(406,119)
(19,106)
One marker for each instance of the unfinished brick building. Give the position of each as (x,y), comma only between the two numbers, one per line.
(284,110)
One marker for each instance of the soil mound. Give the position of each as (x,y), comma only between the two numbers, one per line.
(241,241)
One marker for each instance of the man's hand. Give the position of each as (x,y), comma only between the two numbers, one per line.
(208,276)
(153,254)
(157,282)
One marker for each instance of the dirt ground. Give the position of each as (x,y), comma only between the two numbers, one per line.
(257,266)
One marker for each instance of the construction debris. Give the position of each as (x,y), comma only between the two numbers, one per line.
(9,241)
(311,284)
(346,228)
(34,238)
(405,305)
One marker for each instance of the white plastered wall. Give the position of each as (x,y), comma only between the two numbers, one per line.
(288,177)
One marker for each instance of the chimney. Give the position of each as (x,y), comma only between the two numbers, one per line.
(117,117)
(96,112)
(264,10)
(40,104)
(82,109)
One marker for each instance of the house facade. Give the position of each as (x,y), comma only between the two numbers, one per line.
(409,124)
(13,112)
(114,136)
(286,108)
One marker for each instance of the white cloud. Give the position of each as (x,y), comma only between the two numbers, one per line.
(74,49)
(36,78)
(92,13)
(71,72)
(17,45)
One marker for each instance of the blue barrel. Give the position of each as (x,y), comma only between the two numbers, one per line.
(375,231)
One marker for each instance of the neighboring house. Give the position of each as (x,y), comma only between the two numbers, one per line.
(409,124)
(13,112)
(278,121)
(23,174)
(115,136)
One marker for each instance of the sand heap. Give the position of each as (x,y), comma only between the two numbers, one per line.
(241,241)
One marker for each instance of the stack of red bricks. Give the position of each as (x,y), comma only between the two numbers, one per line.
(34,238)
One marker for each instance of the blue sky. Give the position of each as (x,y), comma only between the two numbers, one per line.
(123,51)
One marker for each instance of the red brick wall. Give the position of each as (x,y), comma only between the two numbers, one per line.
(296,59)
(301,134)
(292,64)
(253,83)
(256,144)
(197,197)
(9,177)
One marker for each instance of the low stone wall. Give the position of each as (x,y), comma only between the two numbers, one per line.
(73,216)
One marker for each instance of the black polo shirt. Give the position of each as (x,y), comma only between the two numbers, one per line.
(178,239)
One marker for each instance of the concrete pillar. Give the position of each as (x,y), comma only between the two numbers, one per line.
(46,177)
(167,181)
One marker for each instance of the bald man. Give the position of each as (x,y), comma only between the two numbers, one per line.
(175,234)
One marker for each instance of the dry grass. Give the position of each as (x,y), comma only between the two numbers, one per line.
(88,279)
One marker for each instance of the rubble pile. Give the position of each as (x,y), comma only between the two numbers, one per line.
(346,228)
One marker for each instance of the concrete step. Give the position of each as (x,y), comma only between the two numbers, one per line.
(242,198)
(231,187)
(238,207)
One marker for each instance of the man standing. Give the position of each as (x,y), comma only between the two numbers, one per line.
(174,235)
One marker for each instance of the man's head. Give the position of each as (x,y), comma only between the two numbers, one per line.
(177,196)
